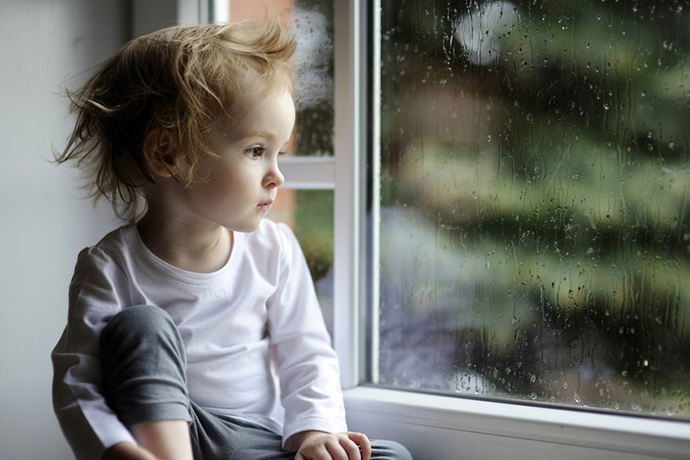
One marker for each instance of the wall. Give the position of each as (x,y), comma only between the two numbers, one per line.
(44,223)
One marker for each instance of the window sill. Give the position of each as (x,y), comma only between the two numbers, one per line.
(438,428)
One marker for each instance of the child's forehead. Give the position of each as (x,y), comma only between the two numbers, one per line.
(249,94)
(255,116)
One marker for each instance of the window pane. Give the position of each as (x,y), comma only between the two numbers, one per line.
(312,24)
(534,219)
(310,215)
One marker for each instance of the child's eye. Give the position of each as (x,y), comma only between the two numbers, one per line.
(255,152)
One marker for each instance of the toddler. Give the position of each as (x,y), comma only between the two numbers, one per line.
(194,330)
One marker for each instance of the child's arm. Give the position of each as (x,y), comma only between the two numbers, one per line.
(160,440)
(87,422)
(127,451)
(317,445)
(306,363)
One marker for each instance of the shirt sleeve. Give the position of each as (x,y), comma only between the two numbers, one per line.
(306,363)
(87,422)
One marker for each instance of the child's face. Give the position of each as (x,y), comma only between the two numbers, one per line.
(242,182)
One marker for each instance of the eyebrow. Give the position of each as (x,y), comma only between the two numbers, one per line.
(250,134)
(263,134)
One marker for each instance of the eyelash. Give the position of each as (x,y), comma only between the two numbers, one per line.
(255,152)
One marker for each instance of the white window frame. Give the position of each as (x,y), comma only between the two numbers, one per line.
(432,426)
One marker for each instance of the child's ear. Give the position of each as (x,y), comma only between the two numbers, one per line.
(159,152)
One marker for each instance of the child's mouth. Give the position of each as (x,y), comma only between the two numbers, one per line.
(266,205)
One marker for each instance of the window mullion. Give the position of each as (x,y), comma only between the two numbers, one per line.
(311,173)
(347,144)
(375,94)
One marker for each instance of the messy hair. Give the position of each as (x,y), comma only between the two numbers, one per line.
(182,80)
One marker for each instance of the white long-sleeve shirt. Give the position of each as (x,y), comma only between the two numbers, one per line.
(259,308)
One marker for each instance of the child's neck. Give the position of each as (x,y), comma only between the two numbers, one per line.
(183,246)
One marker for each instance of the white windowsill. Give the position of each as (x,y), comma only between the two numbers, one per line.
(438,428)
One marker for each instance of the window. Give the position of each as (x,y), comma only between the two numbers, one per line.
(534,235)
(481,155)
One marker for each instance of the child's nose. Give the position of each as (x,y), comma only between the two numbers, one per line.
(274,178)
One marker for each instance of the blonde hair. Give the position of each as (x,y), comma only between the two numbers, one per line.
(182,80)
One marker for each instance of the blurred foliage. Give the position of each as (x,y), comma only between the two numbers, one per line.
(314,130)
(553,159)
(314,229)
(311,217)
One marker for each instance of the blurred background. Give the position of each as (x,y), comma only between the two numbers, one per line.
(535,182)
(44,221)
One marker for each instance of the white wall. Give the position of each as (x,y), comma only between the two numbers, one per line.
(44,224)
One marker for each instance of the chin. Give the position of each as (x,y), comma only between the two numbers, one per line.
(249,228)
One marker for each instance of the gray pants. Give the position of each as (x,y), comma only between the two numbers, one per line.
(144,380)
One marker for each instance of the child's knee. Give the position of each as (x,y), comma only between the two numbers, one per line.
(389,450)
(143,365)
(138,320)
(141,331)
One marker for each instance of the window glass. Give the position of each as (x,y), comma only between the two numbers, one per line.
(534,235)
(312,23)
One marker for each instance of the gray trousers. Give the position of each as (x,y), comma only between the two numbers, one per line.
(144,380)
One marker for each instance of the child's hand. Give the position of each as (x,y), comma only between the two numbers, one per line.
(317,445)
(127,451)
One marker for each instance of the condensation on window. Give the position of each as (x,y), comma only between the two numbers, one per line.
(311,22)
(534,212)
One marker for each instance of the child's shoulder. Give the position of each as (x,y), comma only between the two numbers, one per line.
(114,246)
(106,262)
(121,240)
